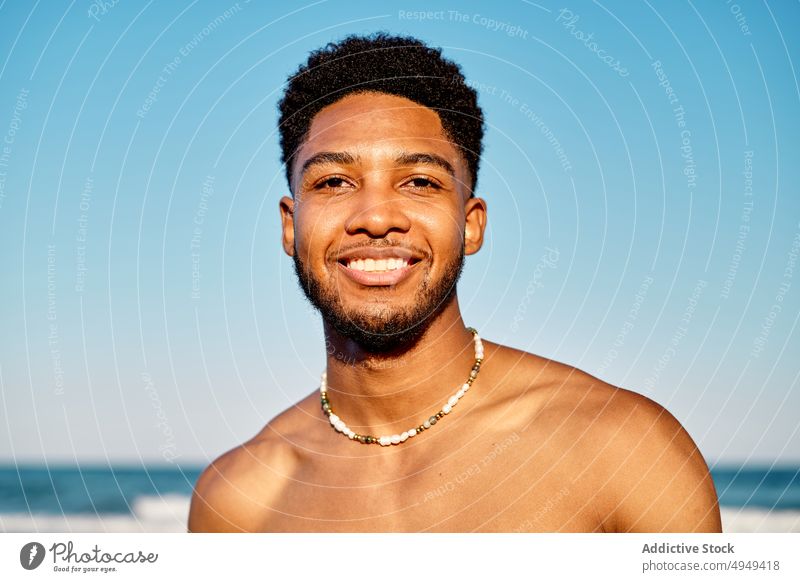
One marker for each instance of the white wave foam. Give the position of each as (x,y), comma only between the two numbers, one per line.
(164,508)
(151,514)
(748,520)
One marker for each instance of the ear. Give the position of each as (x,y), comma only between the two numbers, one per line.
(287,225)
(475,225)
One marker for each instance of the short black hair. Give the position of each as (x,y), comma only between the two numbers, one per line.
(397,65)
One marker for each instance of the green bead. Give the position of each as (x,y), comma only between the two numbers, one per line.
(432,420)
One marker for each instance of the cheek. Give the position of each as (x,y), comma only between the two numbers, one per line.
(315,230)
(444,228)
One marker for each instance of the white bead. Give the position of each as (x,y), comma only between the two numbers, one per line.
(460,393)
(427,424)
(453,401)
(412,432)
(447,408)
(385,441)
(333,418)
(395,439)
(404,436)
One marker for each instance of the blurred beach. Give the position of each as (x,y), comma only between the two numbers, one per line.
(156,500)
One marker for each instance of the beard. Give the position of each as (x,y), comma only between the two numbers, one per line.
(385,329)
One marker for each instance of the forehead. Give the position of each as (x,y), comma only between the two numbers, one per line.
(372,124)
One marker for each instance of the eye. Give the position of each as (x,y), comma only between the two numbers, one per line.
(333,183)
(422,183)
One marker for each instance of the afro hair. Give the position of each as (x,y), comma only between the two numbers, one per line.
(396,65)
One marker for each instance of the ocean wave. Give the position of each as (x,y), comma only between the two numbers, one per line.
(750,520)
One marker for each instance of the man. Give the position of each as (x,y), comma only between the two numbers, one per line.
(421,426)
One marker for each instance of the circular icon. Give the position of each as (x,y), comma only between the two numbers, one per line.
(31,555)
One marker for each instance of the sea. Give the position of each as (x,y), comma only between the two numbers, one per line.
(156,499)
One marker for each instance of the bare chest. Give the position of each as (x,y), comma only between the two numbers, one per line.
(490,485)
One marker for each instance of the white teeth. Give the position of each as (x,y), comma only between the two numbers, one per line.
(380,265)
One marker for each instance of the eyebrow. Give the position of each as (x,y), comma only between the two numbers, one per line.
(342,158)
(412,159)
(403,159)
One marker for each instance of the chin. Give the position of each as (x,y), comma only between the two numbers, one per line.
(380,339)
(384,332)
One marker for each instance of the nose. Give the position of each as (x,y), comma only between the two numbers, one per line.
(377,210)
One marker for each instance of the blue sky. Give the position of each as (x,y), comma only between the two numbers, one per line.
(640,169)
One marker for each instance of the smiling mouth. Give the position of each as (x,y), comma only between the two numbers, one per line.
(372,272)
(370,265)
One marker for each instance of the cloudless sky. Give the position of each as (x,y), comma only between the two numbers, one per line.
(640,168)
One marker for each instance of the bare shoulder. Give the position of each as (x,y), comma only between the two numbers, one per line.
(647,470)
(237,491)
(629,453)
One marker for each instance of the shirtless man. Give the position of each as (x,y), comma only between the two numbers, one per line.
(381,138)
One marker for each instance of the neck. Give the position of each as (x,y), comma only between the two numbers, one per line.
(390,393)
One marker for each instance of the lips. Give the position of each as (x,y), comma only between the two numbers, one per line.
(377,278)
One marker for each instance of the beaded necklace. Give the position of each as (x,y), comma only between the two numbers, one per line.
(396,439)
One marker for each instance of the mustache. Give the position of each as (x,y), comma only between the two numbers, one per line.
(378,244)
